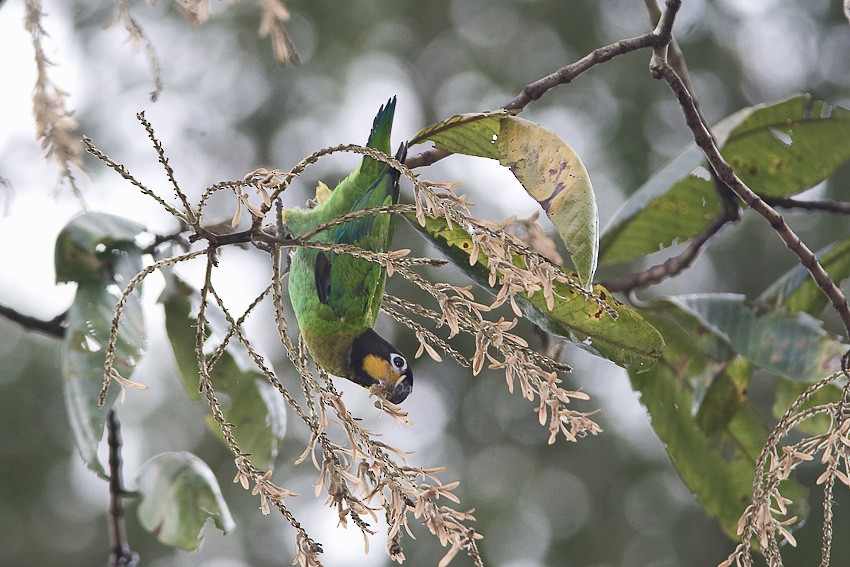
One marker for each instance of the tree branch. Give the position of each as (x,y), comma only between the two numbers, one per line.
(120,554)
(53,328)
(826,206)
(660,69)
(660,36)
(677,264)
(569,72)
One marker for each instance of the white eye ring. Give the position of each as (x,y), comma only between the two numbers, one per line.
(399,363)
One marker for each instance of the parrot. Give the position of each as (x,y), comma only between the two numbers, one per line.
(337,297)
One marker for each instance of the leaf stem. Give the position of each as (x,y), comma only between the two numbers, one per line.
(677,264)
(824,205)
(53,328)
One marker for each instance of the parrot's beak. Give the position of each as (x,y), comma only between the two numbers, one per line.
(402,389)
(396,386)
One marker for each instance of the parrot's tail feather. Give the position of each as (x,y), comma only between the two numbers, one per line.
(379,137)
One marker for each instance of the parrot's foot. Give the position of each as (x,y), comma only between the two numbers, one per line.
(278,233)
(281,229)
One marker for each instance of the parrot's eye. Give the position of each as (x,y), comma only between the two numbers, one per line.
(399,363)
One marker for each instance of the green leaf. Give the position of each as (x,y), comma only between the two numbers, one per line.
(473,134)
(787,393)
(248,401)
(797,291)
(103,267)
(628,341)
(660,215)
(725,396)
(553,174)
(777,149)
(718,467)
(179,493)
(787,147)
(84,246)
(674,205)
(796,347)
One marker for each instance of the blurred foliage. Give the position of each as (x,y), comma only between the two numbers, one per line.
(228,108)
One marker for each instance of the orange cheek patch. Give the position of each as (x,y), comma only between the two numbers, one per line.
(379,369)
(376,367)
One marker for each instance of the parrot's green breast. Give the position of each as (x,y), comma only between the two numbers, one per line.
(329,328)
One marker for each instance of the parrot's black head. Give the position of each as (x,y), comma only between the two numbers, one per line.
(372,360)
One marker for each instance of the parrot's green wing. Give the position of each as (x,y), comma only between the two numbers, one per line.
(373,232)
(337,297)
(341,278)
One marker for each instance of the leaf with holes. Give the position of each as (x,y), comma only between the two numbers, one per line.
(785,148)
(676,204)
(473,134)
(777,149)
(179,494)
(99,252)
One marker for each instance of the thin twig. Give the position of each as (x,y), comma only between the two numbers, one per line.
(659,36)
(112,344)
(125,173)
(204,368)
(826,541)
(175,237)
(675,56)
(189,216)
(824,205)
(677,264)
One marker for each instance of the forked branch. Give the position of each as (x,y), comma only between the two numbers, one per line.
(660,69)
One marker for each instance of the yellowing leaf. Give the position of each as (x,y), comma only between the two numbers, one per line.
(549,170)
(553,174)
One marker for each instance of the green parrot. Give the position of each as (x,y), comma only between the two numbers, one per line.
(336,297)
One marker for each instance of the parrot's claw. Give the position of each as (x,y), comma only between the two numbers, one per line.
(282,231)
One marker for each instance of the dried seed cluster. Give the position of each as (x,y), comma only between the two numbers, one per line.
(359,474)
(766,519)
